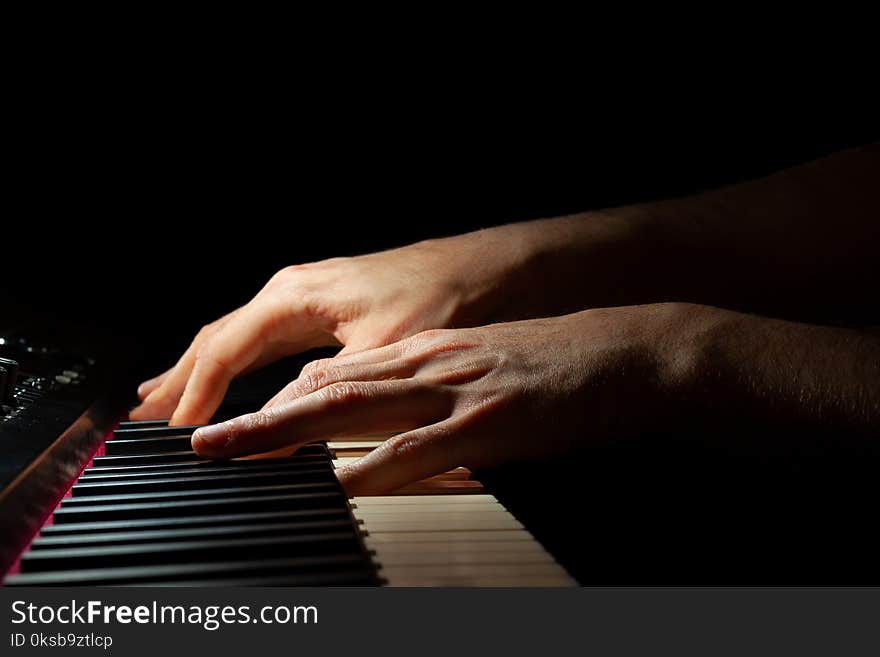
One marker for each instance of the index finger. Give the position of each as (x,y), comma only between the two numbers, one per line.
(225,354)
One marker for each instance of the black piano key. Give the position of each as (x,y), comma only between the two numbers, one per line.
(216,520)
(311,449)
(163,484)
(157,455)
(197,507)
(342,521)
(135,433)
(118,464)
(134,424)
(196,551)
(187,456)
(326,564)
(329,484)
(212,468)
(151,445)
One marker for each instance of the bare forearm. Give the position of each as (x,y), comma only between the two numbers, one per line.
(798,243)
(772,372)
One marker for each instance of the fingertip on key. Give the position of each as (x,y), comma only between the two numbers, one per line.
(211,439)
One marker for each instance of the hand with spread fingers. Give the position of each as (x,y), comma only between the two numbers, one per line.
(470,397)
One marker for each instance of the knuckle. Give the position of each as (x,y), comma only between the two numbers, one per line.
(285,274)
(432,334)
(402,446)
(315,366)
(205,352)
(438,341)
(426,340)
(204,332)
(342,393)
(315,374)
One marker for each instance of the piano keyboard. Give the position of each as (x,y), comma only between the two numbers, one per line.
(148,511)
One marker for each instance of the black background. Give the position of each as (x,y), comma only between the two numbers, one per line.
(146,205)
(164,203)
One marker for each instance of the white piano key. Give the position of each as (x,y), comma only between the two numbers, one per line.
(459,550)
(461,522)
(396,500)
(477,536)
(475,574)
(429,510)
(463,559)
(353,445)
(434,510)
(422,579)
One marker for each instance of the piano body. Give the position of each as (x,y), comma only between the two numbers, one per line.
(88,498)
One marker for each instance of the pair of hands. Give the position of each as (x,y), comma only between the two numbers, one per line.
(450,397)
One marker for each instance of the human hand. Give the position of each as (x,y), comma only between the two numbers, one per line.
(468,397)
(360,302)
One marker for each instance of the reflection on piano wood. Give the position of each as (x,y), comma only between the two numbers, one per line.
(146,510)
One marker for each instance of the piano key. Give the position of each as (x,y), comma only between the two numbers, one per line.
(432,577)
(187,455)
(345,460)
(195,551)
(456,474)
(375,539)
(352,448)
(397,500)
(194,462)
(354,444)
(213,493)
(430,509)
(183,456)
(467,554)
(336,578)
(133,424)
(146,574)
(460,546)
(441,487)
(217,520)
(153,445)
(202,482)
(170,509)
(214,468)
(462,522)
(455,481)
(340,522)
(537,574)
(135,433)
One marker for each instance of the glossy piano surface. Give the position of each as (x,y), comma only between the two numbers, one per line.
(57,404)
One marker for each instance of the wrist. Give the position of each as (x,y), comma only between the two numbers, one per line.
(481,271)
(687,336)
(546,267)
